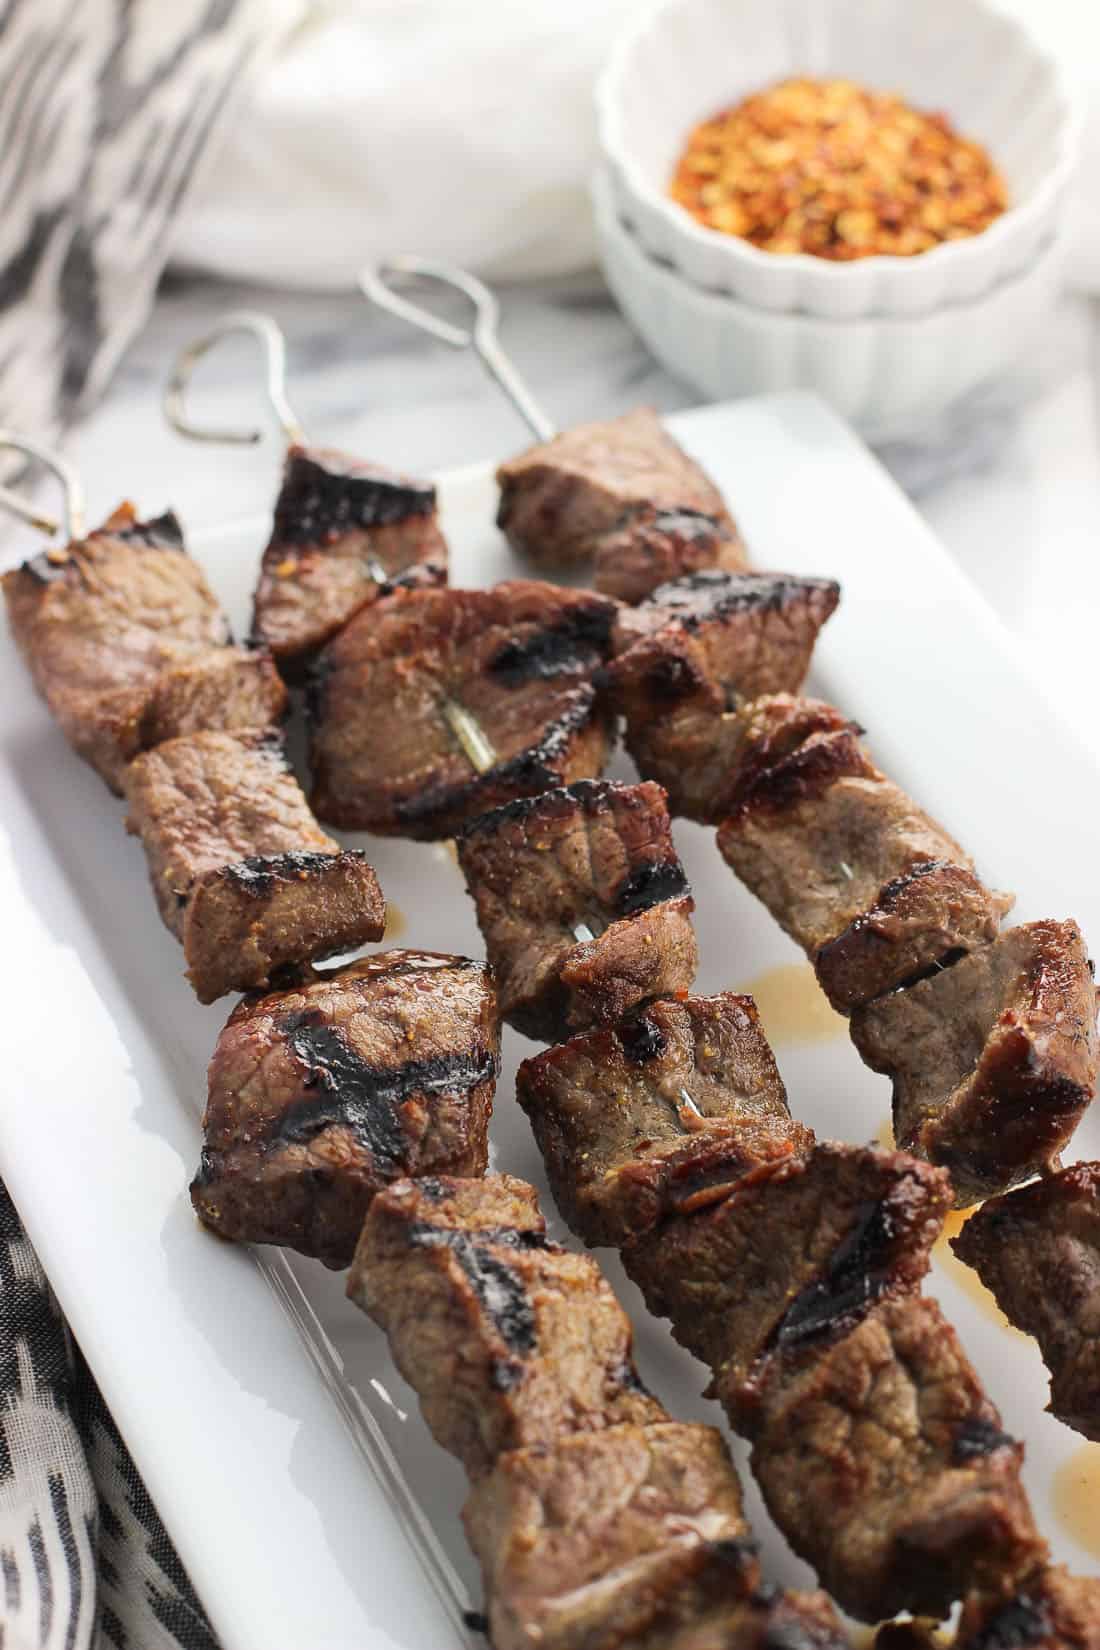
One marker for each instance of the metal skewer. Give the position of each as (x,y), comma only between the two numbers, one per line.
(267,331)
(73,519)
(481,338)
(470,734)
(269,334)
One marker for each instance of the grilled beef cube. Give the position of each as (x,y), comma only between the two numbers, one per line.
(322,1094)
(1049,1610)
(657,1114)
(342,531)
(598,1541)
(594,858)
(242,873)
(885,1465)
(851,868)
(923,920)
(511,1342)
(694,652)
(1038,1250)
(792,1258)
(559,499)
(993,1061)
(128,646)
(649,547)
(432,706)
(754,633)
(818,834)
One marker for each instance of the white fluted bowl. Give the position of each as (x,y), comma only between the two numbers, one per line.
(686,59)
(890,376)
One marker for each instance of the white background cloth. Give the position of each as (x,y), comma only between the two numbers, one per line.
(464,129)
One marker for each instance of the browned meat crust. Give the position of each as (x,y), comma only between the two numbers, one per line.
(789,1267)
(592,858)
(922,921)
(994,1060)
(342,530)
(518,659)
(559,498)
(875,892)
(608,1535)
(599,1522)
(128,646)
(818,835)
(1038,1250)
(320,1095)
(688,657)
(886,1466)
(511,1341)
(649,547)
(242,873)
(1051,1610)
(795,1256)
(664,1110)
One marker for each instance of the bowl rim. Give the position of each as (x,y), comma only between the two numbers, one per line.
(1015,218)
(717,300)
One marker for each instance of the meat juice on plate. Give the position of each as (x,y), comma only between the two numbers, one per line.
(1076,1497)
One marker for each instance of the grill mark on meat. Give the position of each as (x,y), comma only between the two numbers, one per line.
(976,1437)
(554,651)
(499,1290)
(1020,1624)
(642,1039)
(588,792)
(530,768)
(651,884)
(258,873)
(317,503)
(851,1282)
(365,1098)
(948,960)
(161,533)
(733,594)
(46,566)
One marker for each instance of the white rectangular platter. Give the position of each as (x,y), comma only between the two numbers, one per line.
(287,1458)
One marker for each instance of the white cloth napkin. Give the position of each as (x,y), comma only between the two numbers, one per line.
(463,129)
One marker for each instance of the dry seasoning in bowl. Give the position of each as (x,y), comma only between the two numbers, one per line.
(827,167)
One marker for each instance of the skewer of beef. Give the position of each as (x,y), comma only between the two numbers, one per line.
(597,1519)
(989,1036)
(126,642)
(343,530)
(619,496)
(580,894)
(790,1266)
(124,638)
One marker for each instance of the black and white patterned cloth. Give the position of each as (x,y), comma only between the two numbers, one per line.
(84,1558)
(109,110)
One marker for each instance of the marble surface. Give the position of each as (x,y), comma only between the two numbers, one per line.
(1011,484)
